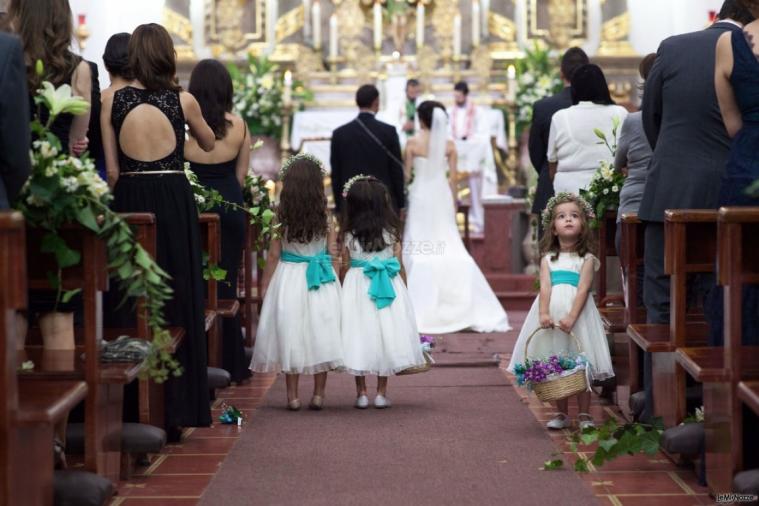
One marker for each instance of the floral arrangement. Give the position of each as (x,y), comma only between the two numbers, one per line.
(258,95)
(427,342)
(538,371)
(64,189)
(603,190)
(230,415)
(536,78)
(349,183)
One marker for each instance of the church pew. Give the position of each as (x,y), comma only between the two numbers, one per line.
(690,247)
(607,229)
(720,369)
(253,275)
(105,382)
(29,410)
(210,241)
(631,258)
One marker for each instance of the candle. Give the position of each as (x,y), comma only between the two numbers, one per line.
(476,22)
(287,94)
(485,7)
(333,37)
(457,36)
(271,24)
(316,19)
(377,17)
(511,77)
(306,19)
(419,24)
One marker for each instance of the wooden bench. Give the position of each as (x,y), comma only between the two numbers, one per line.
(29,410)
(690,247)
(105,382)
(606,248)
(210,241)
(252,272)
(631,257)
(720,369)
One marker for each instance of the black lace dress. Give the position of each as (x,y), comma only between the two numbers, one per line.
(221,177)
(170,199)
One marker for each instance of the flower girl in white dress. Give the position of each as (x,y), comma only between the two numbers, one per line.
(566,276)
(299,327)
(378,324)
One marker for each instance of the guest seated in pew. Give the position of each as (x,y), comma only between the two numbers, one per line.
(146,121)
(224,169)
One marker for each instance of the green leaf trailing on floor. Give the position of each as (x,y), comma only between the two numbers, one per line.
(553,465)
(616,439)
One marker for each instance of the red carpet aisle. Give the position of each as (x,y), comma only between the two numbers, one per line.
(455,435)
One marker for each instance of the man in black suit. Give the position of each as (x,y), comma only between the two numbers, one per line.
(683,124)
(14,120)
(367,146)
(542,112)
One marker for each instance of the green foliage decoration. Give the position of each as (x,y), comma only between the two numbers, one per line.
(603,190)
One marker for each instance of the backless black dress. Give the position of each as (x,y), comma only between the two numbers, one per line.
(169,197)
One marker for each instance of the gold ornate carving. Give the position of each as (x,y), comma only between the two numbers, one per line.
(180,26)
(481,65)
(307,62)
(289,23)
(566,23)
(224,25)
(350,18)
(501,27)
(614,37)
(442,19)
(426,62)
(620,92)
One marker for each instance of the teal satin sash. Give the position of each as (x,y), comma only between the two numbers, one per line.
(319,270)
(565,278)
(380,272)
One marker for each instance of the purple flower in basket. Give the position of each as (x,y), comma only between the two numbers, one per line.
(538,371)
(425,339)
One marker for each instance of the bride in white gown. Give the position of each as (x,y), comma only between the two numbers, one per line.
(448,291)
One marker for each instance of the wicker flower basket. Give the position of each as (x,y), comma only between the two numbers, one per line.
(564,386)
(420,368)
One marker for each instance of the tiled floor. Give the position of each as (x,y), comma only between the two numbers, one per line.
(629,480)
(180,474)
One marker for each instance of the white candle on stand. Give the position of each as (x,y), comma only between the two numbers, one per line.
(377,17)
(511,79)
(419,24)
(476,22)
(306,20)
(485,7)
(333,37)
(457,36)
(272,15)
(316,19)
(287,94)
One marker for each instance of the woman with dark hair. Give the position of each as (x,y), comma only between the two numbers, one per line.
(143,126)
(116,60)
(224,169)
(574,151)
(45,28)
(448,291)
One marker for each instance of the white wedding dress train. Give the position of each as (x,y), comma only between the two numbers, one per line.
(447,289)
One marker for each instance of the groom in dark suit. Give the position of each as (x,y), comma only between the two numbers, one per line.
(14,120)
(367,146)
(542,112)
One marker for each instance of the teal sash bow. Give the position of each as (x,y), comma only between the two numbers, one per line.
(380,272)
(565,278)
(319,270)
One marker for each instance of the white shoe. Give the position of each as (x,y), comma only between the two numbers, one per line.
(560,421)
(362,402)
(585,421)
(381,402)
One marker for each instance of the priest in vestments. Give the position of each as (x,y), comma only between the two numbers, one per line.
(472,148)
(407,119)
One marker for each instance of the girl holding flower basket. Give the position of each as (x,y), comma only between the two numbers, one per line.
(564,306)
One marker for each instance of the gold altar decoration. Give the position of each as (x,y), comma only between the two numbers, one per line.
(351,20)
(561,23)
(504,29)
(307,62)
(224,25)
(289,23)
(442,21)
(180,27)
(426,64)
(481,64)
(614,37)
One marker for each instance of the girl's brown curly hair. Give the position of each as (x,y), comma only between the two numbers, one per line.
(549,243)
(302,207)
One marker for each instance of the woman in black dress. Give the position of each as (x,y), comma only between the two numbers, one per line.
(143,129)
(224,169)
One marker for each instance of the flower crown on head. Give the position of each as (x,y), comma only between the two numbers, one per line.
(349,183)
(563,198)
(298,157)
